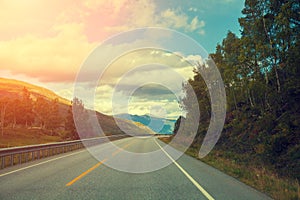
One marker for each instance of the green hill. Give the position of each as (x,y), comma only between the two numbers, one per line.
(31,114)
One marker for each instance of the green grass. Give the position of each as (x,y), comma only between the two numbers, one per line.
(23,136)
(260,177)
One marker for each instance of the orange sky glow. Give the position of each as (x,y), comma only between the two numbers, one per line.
(45,42)
(49,40)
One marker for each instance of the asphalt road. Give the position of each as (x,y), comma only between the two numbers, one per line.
(79,175)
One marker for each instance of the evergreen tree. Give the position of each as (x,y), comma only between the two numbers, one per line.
(26,116)
(81,118)
(54,120)
(261,75)
(70,125)
(42,111)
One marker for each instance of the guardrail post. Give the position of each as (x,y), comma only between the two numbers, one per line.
(20,158)
(2,162)
(12,160)
(26,157)
(14,155)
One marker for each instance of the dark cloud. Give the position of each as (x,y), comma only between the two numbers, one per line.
(154,91)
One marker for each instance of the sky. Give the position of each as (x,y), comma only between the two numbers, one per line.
(49,43)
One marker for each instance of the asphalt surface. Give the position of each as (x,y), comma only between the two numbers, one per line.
(79,175)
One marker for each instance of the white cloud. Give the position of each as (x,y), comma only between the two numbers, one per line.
(171,18)
(193,9)
(116,5)
(170,109)
(179,20)
(202,32)
(194,59)
(65,42)
(196,24)
(50,59)
(148,16)
(54,50)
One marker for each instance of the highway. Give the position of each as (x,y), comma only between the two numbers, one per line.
(79,175)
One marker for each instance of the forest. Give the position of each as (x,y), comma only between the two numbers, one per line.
(29,116)
(260,69)
(27,111)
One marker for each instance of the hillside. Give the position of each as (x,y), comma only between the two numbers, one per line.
(13,89)
(31,114)
(156,124)
(108,124)
(260,69)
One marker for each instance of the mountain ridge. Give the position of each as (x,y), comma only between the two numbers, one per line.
(13,87)
(49,120)
(158,125)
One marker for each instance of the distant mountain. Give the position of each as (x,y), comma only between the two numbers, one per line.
(13,89)
(158,125)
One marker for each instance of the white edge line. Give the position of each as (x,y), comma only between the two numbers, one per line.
(204,192)
(47,161)
(21,169)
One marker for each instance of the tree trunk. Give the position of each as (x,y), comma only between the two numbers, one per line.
(250,99)
(274,57)
(234,99)
(277,80)
(14,122)
(3,110)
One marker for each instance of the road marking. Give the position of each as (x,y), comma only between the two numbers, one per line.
(121,149)
(86,172)
(97,165)
(204,192)
(41,163)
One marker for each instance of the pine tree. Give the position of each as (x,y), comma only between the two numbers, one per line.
(261,75)
(54,120)
(70,125)
(42,111)
(26,115)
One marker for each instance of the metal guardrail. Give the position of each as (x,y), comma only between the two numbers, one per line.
(18,155)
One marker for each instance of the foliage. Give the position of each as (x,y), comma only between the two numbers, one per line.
(54,119)
(261,76)
(25,112)
(70,125)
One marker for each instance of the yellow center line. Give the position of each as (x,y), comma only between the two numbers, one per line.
(97,165)
(86,172)
(121,149)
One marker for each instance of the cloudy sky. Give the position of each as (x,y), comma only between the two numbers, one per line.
(48,42)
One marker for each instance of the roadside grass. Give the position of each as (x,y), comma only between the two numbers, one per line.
(262,178)
(23,136)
